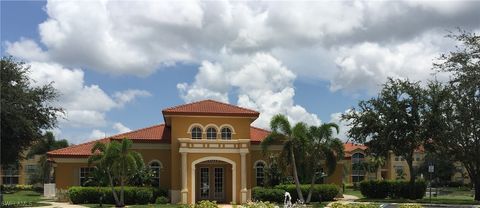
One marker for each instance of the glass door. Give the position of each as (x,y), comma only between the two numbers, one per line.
(204,183)
(218,193)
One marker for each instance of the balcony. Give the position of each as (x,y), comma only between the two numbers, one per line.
(213,146)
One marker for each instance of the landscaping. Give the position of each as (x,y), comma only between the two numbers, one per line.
(23,198)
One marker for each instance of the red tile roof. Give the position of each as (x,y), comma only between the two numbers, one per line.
(210,107)
(257,134)
(155,134)
(152,134)
(351,146)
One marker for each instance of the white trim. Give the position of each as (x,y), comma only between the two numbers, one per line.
(189,130)
(209,150)
(252,117)
(228,126)
(70,160)
(155,160)
(234,175)
(259,161)
(210,125)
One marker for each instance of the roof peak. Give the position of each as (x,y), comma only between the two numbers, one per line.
(210,107)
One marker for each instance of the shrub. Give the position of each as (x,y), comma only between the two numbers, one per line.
(206,204)
(259,204)
(133,195)
(268,194)
(321,192)
(162,200)
(374,189)
(410,206)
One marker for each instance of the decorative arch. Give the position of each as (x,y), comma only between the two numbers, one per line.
(259,161)
(155,160)
(211,125)
(228,126)
(195,125)
(234,175)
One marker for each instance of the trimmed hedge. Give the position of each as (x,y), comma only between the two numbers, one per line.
(133,195)
(393,189)
(321,192)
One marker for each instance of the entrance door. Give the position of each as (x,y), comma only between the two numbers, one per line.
(211,184)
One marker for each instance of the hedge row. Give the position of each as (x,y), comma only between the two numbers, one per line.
(393,189)
(321,192)
(19,187)
(133,195)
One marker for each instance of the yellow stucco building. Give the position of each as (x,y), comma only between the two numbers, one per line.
(204,150)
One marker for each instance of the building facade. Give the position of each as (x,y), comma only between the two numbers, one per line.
(205,150)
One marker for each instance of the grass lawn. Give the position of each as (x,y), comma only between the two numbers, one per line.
(356,193)
(449,196)
(26,198)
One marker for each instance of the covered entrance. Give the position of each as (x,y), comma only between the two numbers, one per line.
(213,181)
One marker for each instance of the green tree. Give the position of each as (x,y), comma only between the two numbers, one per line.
(394,120)
(444,167)
(372,163)
(118,162)
(457,106)
(322,146)
(46,143)
(291,138)
(26,110)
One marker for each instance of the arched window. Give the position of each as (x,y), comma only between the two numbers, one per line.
(211,133)
(358,172)
(226,133)
(155,166)
(196,133)
(260,173)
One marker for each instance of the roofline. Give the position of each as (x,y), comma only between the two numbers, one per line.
(248,115)
(253,112)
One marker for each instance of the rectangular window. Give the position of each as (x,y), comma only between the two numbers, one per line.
(10,175)
(218,183)
(85,175)
(260,175)
(204,183)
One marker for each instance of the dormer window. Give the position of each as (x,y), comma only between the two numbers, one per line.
(226,133)
(211,133)
(196,133)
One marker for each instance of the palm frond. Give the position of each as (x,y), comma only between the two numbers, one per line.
(280,124)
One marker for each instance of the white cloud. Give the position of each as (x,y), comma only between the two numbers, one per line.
(26,49)
(96,134)
(263,83)
(84,105)
(343,125)
(120,128)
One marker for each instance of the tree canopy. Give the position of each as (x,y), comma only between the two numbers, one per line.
(26,110)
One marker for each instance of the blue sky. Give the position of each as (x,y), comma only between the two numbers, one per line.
(118,64)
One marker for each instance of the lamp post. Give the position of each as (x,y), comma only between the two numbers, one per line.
(431,169)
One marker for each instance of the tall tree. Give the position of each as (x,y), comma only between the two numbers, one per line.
(290,137)
(26,110)
(45,144)
(392,121)
(322,146)
(457,113)
(118,162)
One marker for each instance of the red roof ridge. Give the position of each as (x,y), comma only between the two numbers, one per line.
(116,136)
(172,109)
(77,145)
(261,129)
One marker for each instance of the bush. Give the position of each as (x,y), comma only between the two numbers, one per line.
(259,204)
(91,195)
(162,200)
(18,187)
(410,206)
(393,189)
(268,194)
(206,204)
(374,189)
(321,192)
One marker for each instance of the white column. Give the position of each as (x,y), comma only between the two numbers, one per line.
(243,191)
(184,178)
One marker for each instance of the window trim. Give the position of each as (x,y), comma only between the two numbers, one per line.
(256,167)
(191,133)
(221,133)
(80,174)
(215,134)
(160,167)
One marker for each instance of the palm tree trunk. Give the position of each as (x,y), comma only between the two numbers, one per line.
(122,194)
(309,197)
(295,176)
(117,203)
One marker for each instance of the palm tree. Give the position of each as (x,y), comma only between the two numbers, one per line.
(282,132)
(46,143)
(373,163)
(118,162)
(322,146)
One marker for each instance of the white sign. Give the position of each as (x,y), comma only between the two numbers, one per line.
(430,168)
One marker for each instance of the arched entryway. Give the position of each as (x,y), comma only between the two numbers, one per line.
(214,178)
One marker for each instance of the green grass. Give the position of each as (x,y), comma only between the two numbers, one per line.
(27,198)
(449,196)
(356,193)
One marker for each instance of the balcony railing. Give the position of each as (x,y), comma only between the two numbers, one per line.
(194,145)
